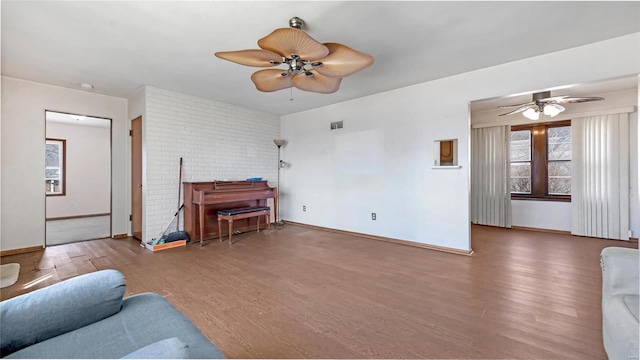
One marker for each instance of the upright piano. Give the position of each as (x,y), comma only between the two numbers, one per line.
(202,200)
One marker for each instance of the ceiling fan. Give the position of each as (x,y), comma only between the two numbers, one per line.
(543,102)
(311,66)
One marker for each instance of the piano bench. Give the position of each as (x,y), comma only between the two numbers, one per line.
(243,213)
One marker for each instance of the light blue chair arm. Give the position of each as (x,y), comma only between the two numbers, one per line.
(48,312)
(620,273)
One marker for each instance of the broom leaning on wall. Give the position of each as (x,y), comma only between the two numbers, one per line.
(176,236)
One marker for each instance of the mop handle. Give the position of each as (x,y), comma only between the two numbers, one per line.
(179,191)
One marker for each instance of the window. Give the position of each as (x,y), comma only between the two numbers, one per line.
(541,161)
(559,160)
(54,171)
(521,161)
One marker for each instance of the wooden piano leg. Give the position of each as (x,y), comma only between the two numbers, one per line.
(258,225)
(268,223)
(201,213)
(230,230)
(220,228)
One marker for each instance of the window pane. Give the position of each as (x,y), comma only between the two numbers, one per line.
(520,145)
(52,155)
(521,135)
(559,143)
(521,178)
(52,187)
(560,169)
(52,173)
(559,178)
(54,170)
(560,186)
(520,186)
(521,169)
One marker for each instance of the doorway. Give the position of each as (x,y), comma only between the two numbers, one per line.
(77,178)
(540,157)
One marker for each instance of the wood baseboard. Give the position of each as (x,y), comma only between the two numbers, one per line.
(386,239)
(77,217)
(21,250)
(120,236)
(561,232)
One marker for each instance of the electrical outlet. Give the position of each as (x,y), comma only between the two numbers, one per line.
(304,207)
(373,216)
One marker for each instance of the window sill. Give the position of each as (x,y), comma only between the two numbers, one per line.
(560,198)
(447,167)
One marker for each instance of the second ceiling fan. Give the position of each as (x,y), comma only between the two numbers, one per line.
(543,102)
(311,66)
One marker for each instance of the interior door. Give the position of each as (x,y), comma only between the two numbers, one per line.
(136,177)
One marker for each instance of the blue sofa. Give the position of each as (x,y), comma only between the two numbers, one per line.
(620,306)
(87,317)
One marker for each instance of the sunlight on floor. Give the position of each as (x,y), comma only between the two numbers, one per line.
(37,281)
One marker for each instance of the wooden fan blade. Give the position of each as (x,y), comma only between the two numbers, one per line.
(316,83)
(290,41)
(519,110)
(261,58)
(270,80)
(343,61)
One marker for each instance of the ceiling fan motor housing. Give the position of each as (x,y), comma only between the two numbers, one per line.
(296,23)
(541,95)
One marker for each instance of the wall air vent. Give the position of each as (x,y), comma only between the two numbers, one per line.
(336,125)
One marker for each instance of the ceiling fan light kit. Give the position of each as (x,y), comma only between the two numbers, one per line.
(543,102)
(311,66)
(532,114)
(553,109)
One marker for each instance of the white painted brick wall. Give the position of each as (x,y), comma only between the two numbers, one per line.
(217,141)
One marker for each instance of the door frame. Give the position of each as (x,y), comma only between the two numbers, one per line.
(110,168)
(136,186)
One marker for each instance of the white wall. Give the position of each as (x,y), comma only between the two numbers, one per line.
(380,162)
(557,216)
(136,105)
(342,184)
(551,215)
(88,170)
(23,133)
(217,141)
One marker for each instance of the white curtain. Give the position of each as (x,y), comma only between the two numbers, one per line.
(490,176)
(600,176)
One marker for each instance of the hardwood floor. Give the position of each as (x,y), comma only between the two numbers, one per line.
(306,293)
